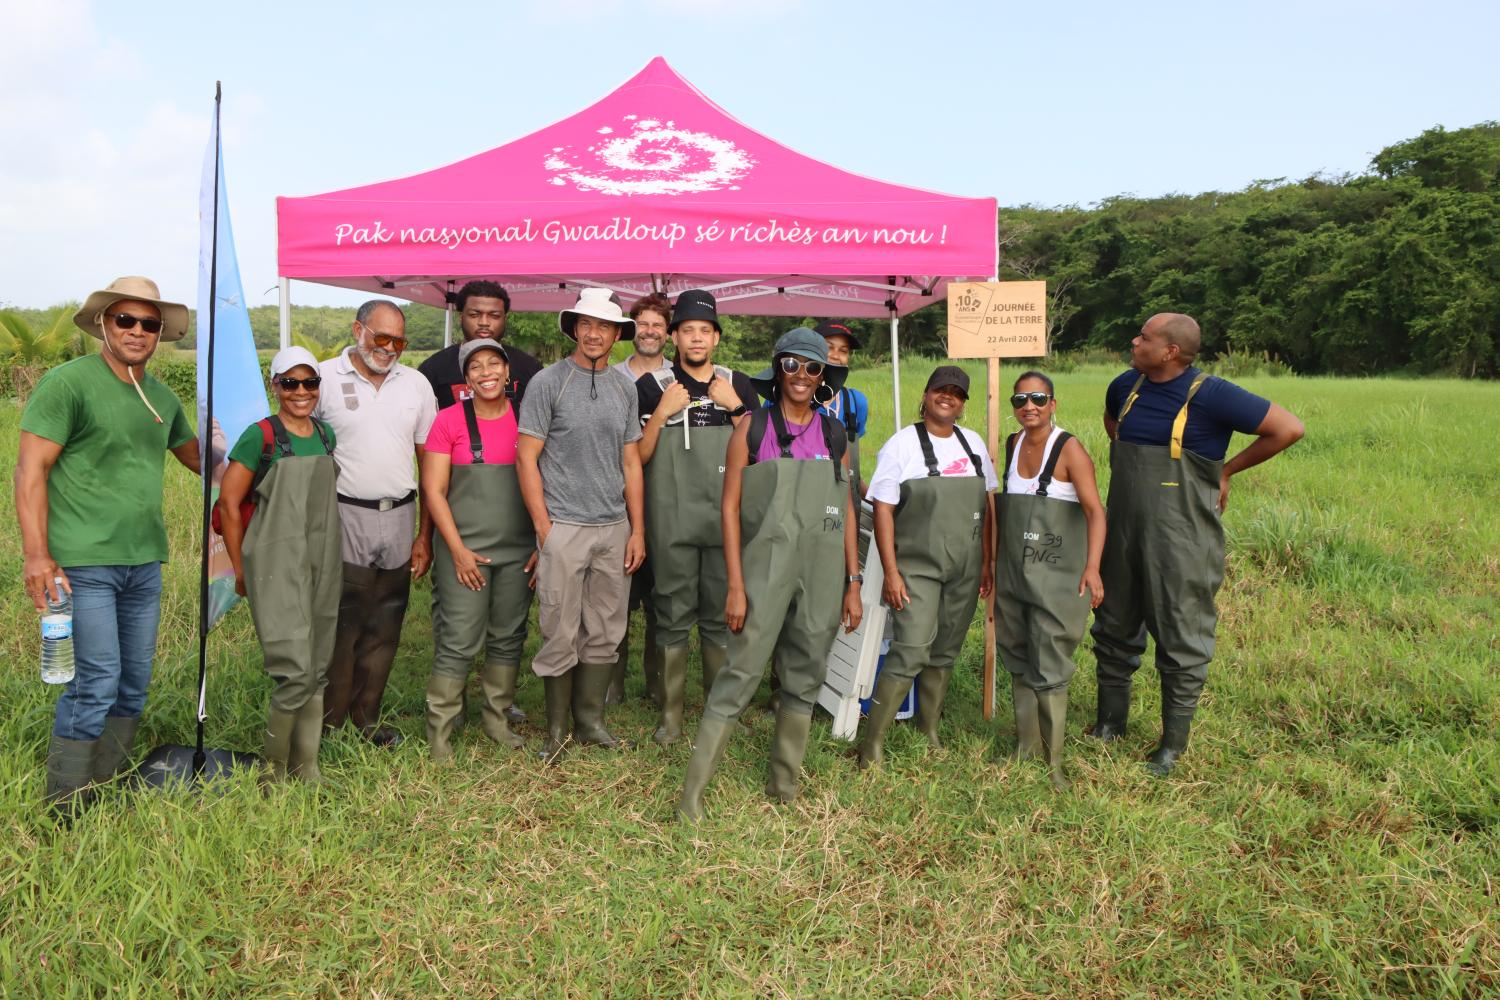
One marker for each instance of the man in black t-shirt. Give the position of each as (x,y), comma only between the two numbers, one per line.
(482,308)
(1164,550)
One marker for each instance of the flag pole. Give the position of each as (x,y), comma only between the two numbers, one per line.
(205,450)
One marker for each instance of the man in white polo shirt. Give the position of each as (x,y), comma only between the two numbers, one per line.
(381,411)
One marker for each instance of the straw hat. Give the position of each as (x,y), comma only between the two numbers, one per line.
(174,315)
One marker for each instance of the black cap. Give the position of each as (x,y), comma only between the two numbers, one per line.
(695,303)
(826,330)
(949,375)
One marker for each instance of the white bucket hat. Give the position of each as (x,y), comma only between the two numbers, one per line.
(597,303)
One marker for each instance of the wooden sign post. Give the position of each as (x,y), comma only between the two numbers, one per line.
(994,320)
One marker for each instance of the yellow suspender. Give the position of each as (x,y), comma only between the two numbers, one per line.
(1180,423)
(1135,391)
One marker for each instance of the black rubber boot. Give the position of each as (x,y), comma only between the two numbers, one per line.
(1052,717)
(673,690)
(788,747)
(114,747)
(559,693)
(590,683)
(708,750)
(1114,710)
(1174,741)
(1028,725)
(70,770)
(890,692)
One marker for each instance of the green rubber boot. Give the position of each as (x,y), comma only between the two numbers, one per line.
(497,682)
(714,659)
(70,770)
(1052,713)
(1114,710)
(651,662)
(788,747)
(559,694)
(708,750)
(307,740)
(932,688)
(673,690)
(445,703)
(1028,726)
(614,694)
(1174,741)
(589,687)
(890,692)
(278,747)
(114,747)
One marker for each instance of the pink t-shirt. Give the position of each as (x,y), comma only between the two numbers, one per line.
(450,436)
(807,441)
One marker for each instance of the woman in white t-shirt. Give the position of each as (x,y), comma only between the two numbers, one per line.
(1050,539)
(933,527)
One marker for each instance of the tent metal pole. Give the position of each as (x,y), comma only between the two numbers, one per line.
(895,368)
(284,288)
(448,315)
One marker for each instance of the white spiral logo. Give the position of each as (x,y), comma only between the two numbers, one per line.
(654,157)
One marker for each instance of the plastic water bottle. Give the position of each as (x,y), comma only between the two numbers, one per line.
(57,637)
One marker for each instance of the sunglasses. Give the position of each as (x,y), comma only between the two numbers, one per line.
(125,321)
(387,341)
(1037,399)
(791,366)
(289,384)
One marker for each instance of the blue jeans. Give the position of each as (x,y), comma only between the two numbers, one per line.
(116,610)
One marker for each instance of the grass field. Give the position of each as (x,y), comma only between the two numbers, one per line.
(1334,829)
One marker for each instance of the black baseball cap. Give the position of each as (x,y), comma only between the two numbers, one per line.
(826,330)
(949,375)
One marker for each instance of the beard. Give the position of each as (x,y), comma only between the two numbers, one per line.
(372,361)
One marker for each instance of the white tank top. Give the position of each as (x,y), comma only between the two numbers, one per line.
(1056,490)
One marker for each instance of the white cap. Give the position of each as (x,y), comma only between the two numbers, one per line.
(290,357)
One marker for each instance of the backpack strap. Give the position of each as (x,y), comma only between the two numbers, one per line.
(476,444)
(783,435)
(277,430)
(928,455)
(1045,479)
(322,429)
(833,436)
(757,432)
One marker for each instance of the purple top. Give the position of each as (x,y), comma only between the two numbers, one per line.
(807,441)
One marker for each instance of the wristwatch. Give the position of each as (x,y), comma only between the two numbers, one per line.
(855,578)
(738,411)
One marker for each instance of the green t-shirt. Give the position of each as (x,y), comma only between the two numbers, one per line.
(104,493)
(248,448)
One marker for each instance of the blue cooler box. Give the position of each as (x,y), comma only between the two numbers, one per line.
(908,707)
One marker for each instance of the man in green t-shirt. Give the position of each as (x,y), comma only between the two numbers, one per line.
(89,500)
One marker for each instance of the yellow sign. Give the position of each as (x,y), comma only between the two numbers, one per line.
(997,319)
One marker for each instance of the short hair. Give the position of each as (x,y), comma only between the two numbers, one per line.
(482,290)
(655,302)
(362,316)
(1182,330)
(1051,390)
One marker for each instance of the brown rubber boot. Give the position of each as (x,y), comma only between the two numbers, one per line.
(497,682)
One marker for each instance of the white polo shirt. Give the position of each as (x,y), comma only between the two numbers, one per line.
(377,429)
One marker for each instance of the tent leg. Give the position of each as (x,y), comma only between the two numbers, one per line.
(895,370)
(284,286)
(448,315)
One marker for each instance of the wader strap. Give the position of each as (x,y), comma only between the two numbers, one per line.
(476,446)
(1010,451)
(783,436)
(851,429)
(322,435)
(1045,479)
(928,455)
(1180,424)
(1135,391)
(284,442)
(973,458)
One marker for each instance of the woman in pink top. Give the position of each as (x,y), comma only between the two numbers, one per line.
(485,549)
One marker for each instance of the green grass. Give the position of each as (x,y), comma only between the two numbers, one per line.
(1333,830)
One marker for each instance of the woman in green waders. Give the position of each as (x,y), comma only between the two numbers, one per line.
(787,518)
(288,560)
(1050,541)
(933,526)
(485,549)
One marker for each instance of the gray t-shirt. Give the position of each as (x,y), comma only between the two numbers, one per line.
(623,367)
(584,424)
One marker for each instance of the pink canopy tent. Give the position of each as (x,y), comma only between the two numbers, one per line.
(652,187)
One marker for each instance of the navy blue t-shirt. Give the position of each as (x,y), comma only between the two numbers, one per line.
(1218,409)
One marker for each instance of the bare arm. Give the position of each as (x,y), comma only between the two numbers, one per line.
(735,460)
(894,587)
(1278,431)
(674,399)
(188,454)
(33,465)
(854,606)
(421,546)
(1080,472)
(635,507)
(233,489)
(1111,425)
(528,451)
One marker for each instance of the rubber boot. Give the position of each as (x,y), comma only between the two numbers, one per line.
(788,747)
(1174,740)
(1028,726)
(714,659)
(278,748)
(708,750)
(70,769)
(497,682)
(445,703)
(890,692)
(559,694)
(615,693)
(651,662)
(307,740)
(114,747)
(932,688)
(1052,715)
(589,687)
(673,691)
(1114,710)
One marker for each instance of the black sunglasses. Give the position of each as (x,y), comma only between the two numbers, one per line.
(790,365)
(1037,398)
(125,321)
(290,384)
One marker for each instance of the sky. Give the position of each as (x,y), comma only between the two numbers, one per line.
(105,107)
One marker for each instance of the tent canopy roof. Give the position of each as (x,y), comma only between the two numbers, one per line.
(652,187)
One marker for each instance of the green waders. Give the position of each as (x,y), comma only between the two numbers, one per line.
(294,577)
(1162,567)
(792,516)
(1042,548)
(684,534)
(492,522)
(940,553)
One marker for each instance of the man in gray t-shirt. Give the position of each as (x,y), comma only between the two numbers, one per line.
(580,475)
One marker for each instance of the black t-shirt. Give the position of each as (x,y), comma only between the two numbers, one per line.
(1218,409)
(648,391)
(448,383)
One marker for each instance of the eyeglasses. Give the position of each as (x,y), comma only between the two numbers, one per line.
(1037,399)
(125,321)
(791,366)
(289,384)
(387,341)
